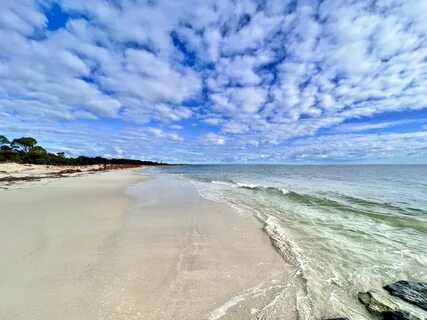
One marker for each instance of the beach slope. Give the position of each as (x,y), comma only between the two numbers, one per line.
(78,248)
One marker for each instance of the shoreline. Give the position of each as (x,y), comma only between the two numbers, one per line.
(217,263)
(81,247)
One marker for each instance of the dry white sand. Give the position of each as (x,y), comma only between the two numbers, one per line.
(71,249)
(51,232)
(33,170)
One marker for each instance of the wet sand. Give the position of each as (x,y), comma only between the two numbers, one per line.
(79,248)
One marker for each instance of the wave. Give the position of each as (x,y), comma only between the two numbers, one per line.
(291,219)
(281,241)
(224,183)
(373,204)
(342,201)
(244,185)
(247,185)
(295,256)
(284,245)
(398,217)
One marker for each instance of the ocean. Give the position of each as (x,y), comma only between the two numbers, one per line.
(345,228)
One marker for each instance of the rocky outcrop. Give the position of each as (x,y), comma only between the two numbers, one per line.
(398,315)
(410,291)
(377,302)
(387,307)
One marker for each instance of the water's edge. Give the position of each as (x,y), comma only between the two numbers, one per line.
(344,232)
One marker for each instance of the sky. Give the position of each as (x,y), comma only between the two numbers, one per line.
(242,81)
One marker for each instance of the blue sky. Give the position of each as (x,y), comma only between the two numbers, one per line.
(333,81)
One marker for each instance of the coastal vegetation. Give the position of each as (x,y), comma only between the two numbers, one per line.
(25,150)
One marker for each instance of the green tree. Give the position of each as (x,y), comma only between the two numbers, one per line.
(38,150)
(24,144)
(61,154)
(4,140)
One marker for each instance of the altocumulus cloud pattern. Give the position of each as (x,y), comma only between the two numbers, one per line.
(218,81)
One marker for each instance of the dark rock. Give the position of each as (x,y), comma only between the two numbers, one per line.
(388,307)
(339,318)
(398,315)
(410,291)
(376,303)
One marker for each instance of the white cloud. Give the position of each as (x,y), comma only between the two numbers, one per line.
(159,133)
(48,73)
(237,100)
(356,127)
(20,17)
(212,121)
(212,138)
(176,127)
(261,73)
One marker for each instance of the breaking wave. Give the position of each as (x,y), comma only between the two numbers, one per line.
(396,216)
(251,186)
(282,242)
(342,231)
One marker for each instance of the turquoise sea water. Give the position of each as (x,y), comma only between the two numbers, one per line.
(345,228)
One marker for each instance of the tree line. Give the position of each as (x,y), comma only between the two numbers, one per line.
(26,150)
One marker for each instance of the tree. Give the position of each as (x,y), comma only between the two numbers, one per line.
(24,144)
(38,150)
(4,140)
(61,154)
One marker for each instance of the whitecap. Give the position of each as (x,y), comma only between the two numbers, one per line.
(284,191)
(247,185)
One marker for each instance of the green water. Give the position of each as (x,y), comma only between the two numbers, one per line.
(345,228)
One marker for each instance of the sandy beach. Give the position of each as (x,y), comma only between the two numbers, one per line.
(116,245)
